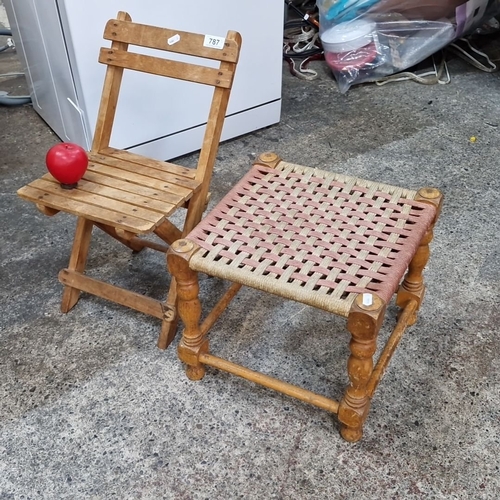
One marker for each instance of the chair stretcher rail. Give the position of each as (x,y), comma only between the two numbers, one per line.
(390,347)
(270,382)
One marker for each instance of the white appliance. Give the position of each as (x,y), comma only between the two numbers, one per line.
(58,42)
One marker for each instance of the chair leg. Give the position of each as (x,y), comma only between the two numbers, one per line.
(193,342)
(363,323)
(194,212)
(77,261)
(170,317)
(134,244)
(413,287)
(168,232)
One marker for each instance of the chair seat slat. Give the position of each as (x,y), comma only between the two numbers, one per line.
(130,197)
(91,212)
(165,166)
(181,193)
(154,173)
(159,196)
(105,200)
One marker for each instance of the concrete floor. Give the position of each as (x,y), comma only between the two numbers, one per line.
(91,409)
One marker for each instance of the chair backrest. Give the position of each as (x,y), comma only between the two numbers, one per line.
(123,32)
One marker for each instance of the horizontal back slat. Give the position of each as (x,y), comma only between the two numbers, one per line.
(164,67)
(158,38)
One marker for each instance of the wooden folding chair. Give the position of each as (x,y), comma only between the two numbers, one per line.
(127,195)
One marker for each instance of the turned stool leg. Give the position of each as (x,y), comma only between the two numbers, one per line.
(413,287)
(188,306)
(364,321)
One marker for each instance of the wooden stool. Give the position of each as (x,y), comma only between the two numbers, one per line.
(334,242)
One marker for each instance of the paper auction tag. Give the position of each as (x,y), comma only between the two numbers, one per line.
(214,42)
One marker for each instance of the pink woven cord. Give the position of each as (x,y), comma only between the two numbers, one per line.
(299,221)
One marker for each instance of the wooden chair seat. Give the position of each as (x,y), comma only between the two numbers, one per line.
(120,189)
(337,243)
(126,195)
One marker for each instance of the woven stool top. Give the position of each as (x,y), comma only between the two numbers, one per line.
(312,236)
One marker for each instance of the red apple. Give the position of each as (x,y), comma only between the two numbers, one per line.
(67,162)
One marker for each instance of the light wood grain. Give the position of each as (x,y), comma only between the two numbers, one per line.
(364,319)
(127,195)
(172,69)
(164,166)
(157,38)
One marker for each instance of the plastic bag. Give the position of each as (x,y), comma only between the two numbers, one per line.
(366,40)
